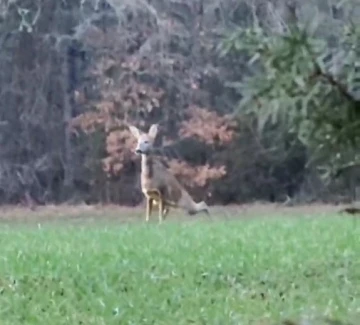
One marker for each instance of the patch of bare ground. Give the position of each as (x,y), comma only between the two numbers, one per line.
(63,212)
(274,209)
(84,212)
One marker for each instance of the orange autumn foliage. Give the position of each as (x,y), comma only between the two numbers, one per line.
(129,99)
(207,126)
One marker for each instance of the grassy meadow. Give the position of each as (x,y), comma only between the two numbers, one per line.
(258,270)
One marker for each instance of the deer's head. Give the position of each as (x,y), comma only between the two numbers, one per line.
(145,141)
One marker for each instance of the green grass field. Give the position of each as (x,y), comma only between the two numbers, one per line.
(245,271)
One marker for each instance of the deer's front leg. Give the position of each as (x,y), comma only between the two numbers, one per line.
(149,205)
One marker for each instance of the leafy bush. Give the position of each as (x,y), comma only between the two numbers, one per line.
(307,83)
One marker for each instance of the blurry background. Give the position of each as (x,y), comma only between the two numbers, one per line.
(258,100)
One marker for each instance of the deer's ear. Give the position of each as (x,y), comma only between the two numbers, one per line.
(135,131)
(153,131)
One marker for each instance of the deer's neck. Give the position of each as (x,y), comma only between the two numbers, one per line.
(147,165)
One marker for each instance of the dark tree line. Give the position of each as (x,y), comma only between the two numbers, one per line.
(256,100)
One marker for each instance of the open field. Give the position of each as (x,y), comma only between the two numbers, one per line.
(252,265)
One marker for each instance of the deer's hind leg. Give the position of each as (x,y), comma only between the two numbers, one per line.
(161,209)
(165,209)
(165,212)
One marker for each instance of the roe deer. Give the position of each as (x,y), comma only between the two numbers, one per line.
(157,183)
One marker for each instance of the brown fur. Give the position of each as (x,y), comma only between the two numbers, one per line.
(157,183)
